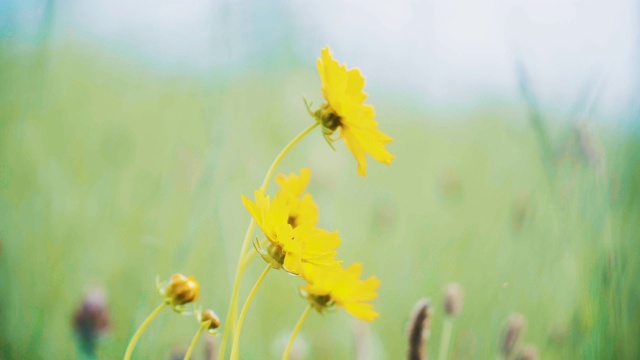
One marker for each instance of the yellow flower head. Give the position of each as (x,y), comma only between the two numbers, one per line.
(345,109)
(179,291)
(302,208)
(294,249)
(342,288)
(209,319)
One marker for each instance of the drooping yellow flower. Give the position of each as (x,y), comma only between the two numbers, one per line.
(342,288)
(345,109)
(296,249)
(302,208)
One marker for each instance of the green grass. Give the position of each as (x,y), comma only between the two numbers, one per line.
(112,175)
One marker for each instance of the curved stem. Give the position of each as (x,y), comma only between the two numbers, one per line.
(278,159)
(233,303)
(243,313)
(447,329)
(195,340)
(141,329)
(295,332)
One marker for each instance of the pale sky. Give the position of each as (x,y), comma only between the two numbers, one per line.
(447,53)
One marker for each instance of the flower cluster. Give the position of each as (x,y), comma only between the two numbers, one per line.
(293,240)
(298,246)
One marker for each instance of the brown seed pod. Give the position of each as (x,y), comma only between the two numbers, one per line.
(418,330)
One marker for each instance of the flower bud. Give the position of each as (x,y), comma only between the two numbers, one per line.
(210,315)
(181,290)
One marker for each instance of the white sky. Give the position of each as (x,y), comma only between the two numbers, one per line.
(449,52)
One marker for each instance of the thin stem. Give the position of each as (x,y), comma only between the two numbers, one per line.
(243,313)
(295,332)
(141,329)
(195,340)
(233,304)
(276,162)
(447,329)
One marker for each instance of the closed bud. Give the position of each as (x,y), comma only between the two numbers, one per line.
(210,315)
(181,290)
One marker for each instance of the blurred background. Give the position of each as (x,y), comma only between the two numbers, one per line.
(129,130)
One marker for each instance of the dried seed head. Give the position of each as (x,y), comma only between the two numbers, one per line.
(181,290)
(210,315)
(453,299)
(91,320)
(418,330)
(530,352)
(512,333)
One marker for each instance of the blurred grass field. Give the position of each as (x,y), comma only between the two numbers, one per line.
(112,174)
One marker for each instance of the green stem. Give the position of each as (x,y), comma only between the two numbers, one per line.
(447,329)
(141,329)
(233,304)
(243,313)
(276,162)
(195,340)
(295,332)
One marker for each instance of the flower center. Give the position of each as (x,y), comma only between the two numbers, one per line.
(321,302)
(329,118)
(276,253)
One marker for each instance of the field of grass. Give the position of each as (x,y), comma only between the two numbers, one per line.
(112,175)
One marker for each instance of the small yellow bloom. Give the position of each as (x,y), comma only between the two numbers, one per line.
(342,288)
(294,249)
(302,208)
(345,109)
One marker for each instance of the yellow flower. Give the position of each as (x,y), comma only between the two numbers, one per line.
(302,208)
(342,288)
(294,249)
(345,109)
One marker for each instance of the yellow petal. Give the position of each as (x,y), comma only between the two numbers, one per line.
(356,149)
(292,263)
(361,311)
